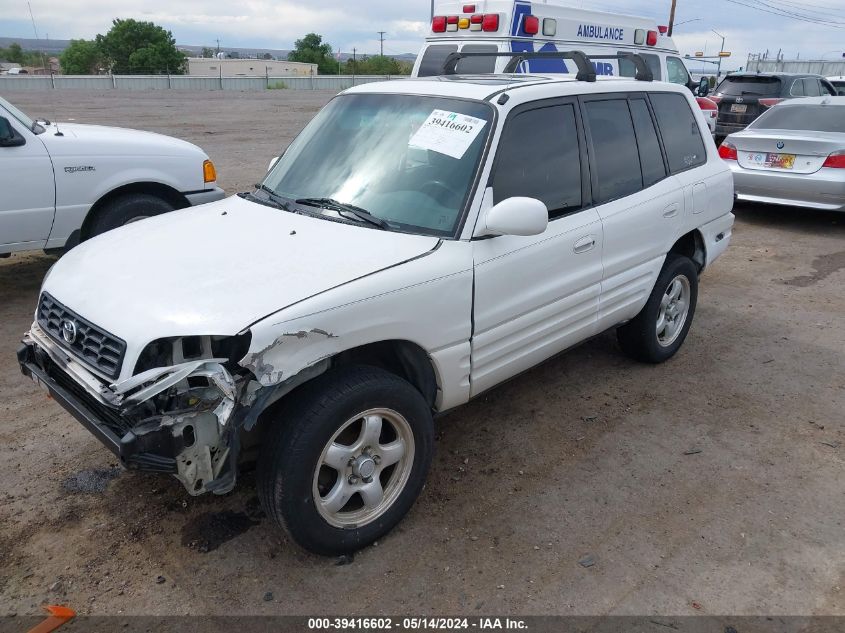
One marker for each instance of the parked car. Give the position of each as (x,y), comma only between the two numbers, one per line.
(838,84)
(794,154)
(459,233)
(64,183)
(742,97)
(710,111)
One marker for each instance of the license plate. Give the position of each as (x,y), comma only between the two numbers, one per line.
(739,108)
(777,161)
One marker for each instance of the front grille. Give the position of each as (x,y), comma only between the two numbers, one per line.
(107,415)
(93,346)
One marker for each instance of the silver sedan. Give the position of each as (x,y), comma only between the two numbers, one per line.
(794,154)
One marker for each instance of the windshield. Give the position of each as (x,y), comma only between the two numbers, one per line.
(20,116)
(738,86)
(406,159)
(809,118)
(840,87)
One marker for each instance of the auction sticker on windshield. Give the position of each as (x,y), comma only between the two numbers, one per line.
(449,133)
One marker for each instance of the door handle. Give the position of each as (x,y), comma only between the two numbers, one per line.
(585,244)
(671,211)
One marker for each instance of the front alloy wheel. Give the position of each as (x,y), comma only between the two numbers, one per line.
(345,458)
(364,468)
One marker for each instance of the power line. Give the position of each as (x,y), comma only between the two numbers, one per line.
(796,14)
(787,14)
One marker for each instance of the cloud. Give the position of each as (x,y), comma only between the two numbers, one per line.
(344,24)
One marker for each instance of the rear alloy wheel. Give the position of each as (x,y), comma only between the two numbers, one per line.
(659,330)
(346,459)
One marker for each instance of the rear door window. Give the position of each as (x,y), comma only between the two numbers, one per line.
(651,158)
(679,129)
(797,89)
(434,58)
(539,157)
(747,85)
(616,160)
(811,87)
(627,68)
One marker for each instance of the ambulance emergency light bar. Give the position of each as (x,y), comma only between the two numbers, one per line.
(531,25)
(586,70)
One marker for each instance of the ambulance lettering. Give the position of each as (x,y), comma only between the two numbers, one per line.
(598,32)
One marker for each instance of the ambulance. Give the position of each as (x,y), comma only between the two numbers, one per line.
(501,26)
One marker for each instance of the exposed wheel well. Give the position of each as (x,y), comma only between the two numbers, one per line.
(691,245)
(403,358)
(169,194)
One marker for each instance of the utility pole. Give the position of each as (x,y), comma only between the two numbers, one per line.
(721,50)
(381,35)
(432,9)
(672,17)
(218,45)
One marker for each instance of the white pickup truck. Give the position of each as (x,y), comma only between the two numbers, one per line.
(62,184)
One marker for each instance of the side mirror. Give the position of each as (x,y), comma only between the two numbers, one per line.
(273,163)
(516,216)
(703,87)
(9,137)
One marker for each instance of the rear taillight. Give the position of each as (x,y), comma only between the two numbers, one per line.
(768,103)
(706,104)
(438,24)
(475,22)
(451,22)
(715,99)
(531,24)
(490,24)
(469,8)
(651,38)
(835,160)
(727,151)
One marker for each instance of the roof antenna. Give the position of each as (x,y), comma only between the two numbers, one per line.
(44,59)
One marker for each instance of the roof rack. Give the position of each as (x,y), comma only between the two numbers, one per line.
(586,70)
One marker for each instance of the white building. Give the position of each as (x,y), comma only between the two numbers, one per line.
(212,67)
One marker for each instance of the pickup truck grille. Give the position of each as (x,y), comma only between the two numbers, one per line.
(92,345)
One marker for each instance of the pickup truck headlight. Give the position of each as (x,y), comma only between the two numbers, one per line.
(209,173)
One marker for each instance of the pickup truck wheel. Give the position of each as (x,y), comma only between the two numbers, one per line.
(346,459)
(659,330)
(126,209)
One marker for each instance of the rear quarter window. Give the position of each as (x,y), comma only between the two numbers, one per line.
(679,129)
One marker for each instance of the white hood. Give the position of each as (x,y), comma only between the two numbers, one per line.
(96,140)
(217,268)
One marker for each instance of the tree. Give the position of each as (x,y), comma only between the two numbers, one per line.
(17,55)
(207,52)
(311,50)
(378,65)
(132,47)
(82,57)
(14,53)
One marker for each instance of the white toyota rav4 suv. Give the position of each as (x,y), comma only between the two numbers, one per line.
(419,243)
(61,184)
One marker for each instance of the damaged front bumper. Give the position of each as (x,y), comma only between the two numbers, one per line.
(195,439)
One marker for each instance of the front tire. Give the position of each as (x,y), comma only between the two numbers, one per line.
(126,209)
(346,459)
(661,327)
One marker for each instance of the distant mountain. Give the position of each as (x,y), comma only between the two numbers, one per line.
(55,47)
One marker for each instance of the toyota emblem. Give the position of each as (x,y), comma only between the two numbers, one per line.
(781,144)
(69,331)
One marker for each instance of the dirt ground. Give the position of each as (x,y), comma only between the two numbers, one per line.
(711,484)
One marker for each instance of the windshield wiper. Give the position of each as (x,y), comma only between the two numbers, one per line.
(272,196)
(334,205)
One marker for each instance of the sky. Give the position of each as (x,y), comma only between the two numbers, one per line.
(749,26)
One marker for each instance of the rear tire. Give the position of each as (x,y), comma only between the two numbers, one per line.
(346,459)
(125,209)
(661,327)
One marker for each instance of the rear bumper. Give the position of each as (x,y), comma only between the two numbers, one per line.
(153,452)
(723,129)
(823,190)
(203,197)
